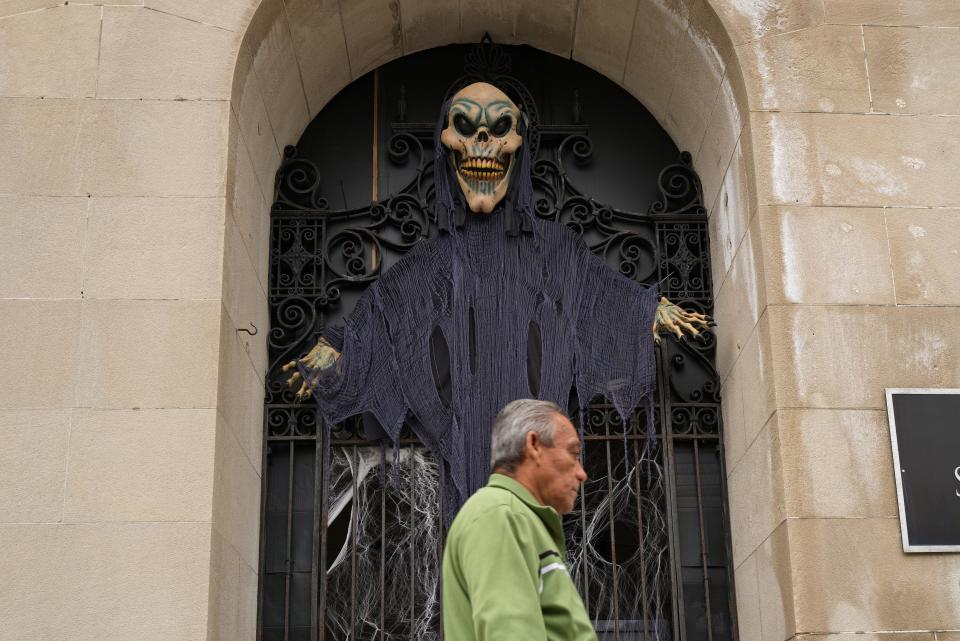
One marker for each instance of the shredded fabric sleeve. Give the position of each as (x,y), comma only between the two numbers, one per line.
(614,341)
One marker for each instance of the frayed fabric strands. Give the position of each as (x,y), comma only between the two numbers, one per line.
(478,297)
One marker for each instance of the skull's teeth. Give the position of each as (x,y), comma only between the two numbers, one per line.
(483,175)
(482,165)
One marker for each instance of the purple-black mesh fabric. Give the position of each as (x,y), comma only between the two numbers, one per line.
(481,285)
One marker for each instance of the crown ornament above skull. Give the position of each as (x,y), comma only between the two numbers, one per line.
(482,139)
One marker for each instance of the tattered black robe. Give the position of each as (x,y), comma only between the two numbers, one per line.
(481,303)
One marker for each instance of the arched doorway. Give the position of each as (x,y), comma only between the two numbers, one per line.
(352,535)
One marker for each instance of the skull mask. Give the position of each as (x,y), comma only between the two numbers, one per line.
(482,138)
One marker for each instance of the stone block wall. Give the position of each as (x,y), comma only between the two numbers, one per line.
(140,142)
(855,129)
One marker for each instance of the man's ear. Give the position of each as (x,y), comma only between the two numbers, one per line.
(531,446)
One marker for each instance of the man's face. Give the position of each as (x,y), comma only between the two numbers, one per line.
(560,474)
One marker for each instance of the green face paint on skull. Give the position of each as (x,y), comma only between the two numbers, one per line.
(482,139)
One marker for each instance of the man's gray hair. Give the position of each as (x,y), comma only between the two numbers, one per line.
(511,426)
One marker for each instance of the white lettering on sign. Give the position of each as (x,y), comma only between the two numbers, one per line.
(956,473)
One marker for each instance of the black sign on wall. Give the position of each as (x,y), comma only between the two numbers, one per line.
(925,434)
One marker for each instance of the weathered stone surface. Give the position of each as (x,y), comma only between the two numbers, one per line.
(749,395)
(154,148)
(776,585)
(732,210)
(50,53)
(925,253)
(547,26)
(244,296)
(39,346)
(373,33)
(851,574)
(240,391)
(236,497)
(233,15)
(942,13)
(33,461)
(750,20)
(140,465)
(651,52)
(872,636)
(223,622)
(756,487)
(740,300)
(250,128)
(914,70)
(602,40)
(857,160)
(247,602)
(748,600)
(713,160)
(149,354)
(246,205)
(154,248)
(700,62)
(105,581)
(826,255)
(281,86)
(428,23)
(318,39)
(39,146)
(13,7)
(836,464)
(844,356)
(40,255)
(790,72)
(151,54)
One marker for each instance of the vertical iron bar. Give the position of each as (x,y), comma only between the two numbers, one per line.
(383,542)
(679,630)
(613,538)
(441,541)
(315,542)
(353,544)
(264,462)
(728,545)
(583,521)
(642,544)
(321,604)
(413,545)
(288,562)
(375,188)
(703,540)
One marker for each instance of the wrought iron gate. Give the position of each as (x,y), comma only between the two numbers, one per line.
(351,536)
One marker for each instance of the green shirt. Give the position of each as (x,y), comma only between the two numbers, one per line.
(504,577)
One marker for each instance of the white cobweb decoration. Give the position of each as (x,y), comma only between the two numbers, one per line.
(406,499)
(624,521)
(629,601)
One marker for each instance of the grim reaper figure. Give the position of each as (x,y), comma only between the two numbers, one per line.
(500,305)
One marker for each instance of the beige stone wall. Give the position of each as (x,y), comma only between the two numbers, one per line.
(140,141)
(126,472)
(855,119)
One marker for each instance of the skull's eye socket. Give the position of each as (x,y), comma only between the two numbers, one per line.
(463,125)
(502,126)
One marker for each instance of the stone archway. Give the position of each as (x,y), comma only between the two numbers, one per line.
(677,60)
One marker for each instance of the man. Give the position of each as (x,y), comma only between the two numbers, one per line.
(504,577)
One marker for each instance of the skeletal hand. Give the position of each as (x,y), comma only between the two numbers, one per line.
(677,320)
(322,356)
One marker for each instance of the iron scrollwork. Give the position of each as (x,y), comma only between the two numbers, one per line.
(318,252)
(322,258)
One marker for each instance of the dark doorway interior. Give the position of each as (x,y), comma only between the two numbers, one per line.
(352,534)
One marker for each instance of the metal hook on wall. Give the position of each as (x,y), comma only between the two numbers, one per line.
(244,329)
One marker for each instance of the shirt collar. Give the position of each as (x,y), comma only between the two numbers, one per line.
(546,513)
